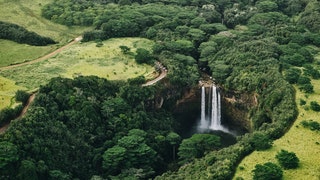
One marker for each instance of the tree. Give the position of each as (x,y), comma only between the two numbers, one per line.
(124,49)
(27,171)
(8,155)
(267,6)
(114,159)
(314,105)
(197,146)
(174,139)
(131,152)
(22,96)
(143,56)
(287,160)
(261,141)
(292,75)
(267,171)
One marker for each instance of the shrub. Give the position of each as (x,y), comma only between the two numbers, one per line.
(302,102)
(307,88)
(312,125)
(314,106)
(22,96)
(261,141)
(143,56)
(267,171)
(292,75)
(287,160)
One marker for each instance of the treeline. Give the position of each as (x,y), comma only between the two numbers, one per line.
(19,34)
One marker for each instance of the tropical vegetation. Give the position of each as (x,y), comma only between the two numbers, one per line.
(92,127)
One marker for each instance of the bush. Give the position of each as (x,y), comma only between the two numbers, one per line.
(22,96)
(8,114)
(292,75)
(312,125)
(267,171)
(143,56)
(287,160)
(261,141)
(307,88)
(314,106)
(302,102)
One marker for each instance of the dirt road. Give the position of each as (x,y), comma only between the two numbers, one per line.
(163,74)
(43,57)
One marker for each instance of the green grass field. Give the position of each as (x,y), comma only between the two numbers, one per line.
(7,92)
(302,141)
(27,13)
(82,59)
(12,53)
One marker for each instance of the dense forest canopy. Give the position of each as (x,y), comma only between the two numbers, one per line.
(94,128)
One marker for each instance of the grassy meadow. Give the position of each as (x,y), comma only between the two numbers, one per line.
(13,53)
(27,13)
(7,92)
(82,59)
(302,141)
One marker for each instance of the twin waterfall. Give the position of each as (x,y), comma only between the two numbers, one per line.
(211,117)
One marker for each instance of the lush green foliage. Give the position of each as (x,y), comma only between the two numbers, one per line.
(188,35)
(7,114)
(267,171)
(22,96)
(261,141)
(314,105)
(21,35)
(197,146)
(287,160)
(143,56)
(89,119)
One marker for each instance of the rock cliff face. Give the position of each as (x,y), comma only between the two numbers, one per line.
(236,109)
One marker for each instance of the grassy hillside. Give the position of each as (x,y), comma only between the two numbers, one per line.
(302,141)
(27,13)
(81,59)
(12,52)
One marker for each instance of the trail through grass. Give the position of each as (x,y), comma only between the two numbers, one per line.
(84,59)
(13,53)
(27,13)
(304,142)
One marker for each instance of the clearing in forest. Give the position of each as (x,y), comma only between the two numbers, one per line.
(107,61)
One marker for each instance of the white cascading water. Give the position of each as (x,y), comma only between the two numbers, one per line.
(203,108)
(212,118)
(216,110)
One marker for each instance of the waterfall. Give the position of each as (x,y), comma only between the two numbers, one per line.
(210,117)
(215,110)
(203,108)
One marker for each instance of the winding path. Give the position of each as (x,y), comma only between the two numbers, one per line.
(161,76)
(23,112)
(45,56)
